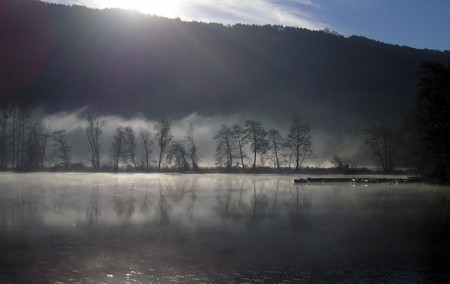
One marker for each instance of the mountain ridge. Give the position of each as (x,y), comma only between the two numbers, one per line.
(124,62)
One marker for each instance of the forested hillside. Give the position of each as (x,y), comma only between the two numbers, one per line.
(123,62)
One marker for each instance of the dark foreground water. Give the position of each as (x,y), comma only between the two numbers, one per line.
(132,228)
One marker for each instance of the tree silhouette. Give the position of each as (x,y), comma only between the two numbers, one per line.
(163,137)
(147,142)
(118,146)
(275,144)
(225,147)
(383,144)
(37,142)
(178,154)
(61,146)
(433,107)
(256,135)
(4,121)
(93,132)
(192,147)
(130,141)
(298,141)
(239,134)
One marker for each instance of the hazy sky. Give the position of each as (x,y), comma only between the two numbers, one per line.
(416,23)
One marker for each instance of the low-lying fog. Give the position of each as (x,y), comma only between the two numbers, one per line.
(218,228)
(328,140)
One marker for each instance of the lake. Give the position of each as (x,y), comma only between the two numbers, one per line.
(144,228)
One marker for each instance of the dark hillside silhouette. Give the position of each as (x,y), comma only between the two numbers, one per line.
(123,62)
(433,105)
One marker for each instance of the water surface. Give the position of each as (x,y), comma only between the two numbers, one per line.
(141,228)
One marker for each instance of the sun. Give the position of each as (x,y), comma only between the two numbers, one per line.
(166,8)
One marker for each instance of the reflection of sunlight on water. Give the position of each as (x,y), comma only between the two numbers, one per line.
(216,228)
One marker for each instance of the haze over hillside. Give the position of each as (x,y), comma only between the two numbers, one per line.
(122,63)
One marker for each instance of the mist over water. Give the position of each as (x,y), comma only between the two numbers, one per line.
(327,141)
(218,227)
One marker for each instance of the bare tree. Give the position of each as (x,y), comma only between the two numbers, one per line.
(5,118)
(164,137)
(23,126)
(16,125)
(257,137)
(118,146)
(13,136)
(130,141)
(383,144)
(275,144)
(225,147)
(178,154)
(239,134)
(43,136)
(298,141)
(93,132)
(34,144)
(192,147)
(61,146)
(147,142)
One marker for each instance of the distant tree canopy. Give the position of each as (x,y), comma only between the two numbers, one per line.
(433,108)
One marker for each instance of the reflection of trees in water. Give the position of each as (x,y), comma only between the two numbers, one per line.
(274,212)
(145,203)
(21,206)
(59,199)
(229,189)
(240,199)
(251,205)
(223,195)
(439,211)
(379,203)
(299,208)
(124,202)
(230,205)
(260,204)
(181,193)
(237,199)
(93,209)
(163,208)
(193,196)
(176,191)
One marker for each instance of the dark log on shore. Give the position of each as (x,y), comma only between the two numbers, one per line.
(357,180)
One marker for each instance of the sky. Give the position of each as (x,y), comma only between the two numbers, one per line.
(415,23)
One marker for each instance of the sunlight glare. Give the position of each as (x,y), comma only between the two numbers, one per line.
(166,8)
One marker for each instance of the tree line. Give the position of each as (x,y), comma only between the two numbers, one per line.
(292,150)
(24,139)
(26,143)
(423,141)
(179,154)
